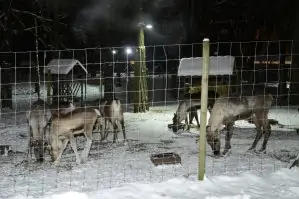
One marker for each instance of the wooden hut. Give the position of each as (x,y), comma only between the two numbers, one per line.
(66,78)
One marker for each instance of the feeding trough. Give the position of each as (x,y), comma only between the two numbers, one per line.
(5,149)
(165,158)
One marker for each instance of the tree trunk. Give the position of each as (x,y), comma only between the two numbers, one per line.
(140,75)
(140,71)
(295,59)
(37,83)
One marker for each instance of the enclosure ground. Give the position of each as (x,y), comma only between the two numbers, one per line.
(111,166)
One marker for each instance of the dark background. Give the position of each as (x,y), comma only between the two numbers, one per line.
(88,30)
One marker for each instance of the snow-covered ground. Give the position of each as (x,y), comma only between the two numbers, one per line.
(126,171)
(281,184)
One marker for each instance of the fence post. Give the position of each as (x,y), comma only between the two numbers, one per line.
(49,83)
(203,110)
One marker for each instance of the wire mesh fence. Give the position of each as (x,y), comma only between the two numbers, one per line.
(44,110)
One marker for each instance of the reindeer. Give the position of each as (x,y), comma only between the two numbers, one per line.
(189,105)
(38,119)
(228,110)
(65,127)
(182,114)
(112,112)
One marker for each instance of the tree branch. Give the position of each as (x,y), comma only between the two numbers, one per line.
(219,3)
(42,41)
(36,16)
(32,14)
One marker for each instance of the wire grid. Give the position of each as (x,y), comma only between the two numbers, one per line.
(148,133)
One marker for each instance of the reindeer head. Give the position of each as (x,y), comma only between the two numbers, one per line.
(52,142)
(213,140)
(54,147)
(38,149)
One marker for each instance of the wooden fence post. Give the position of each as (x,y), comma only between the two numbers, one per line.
(203,110)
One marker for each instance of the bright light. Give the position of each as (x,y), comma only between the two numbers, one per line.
(149,26)
(129,51)
(114,52)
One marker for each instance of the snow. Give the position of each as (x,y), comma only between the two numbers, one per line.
(126,171)
(281,184)
(62,66)
(219,65)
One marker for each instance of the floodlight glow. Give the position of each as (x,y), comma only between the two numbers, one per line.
(114,52)
(129,51)
(149,26)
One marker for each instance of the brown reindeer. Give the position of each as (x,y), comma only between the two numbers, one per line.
(112,111)
(227,110)
(65,127)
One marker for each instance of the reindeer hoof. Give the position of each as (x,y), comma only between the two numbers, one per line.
(251,149)
(216,153)
(79,161)
(114,144)
(56,163)
(262,151)
(226,152)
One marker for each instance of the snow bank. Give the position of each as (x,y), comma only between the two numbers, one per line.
(281,184)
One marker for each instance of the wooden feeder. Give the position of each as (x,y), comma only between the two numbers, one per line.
(66,78)
(165,158)
(220,76)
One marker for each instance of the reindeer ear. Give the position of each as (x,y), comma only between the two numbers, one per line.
(97,112)
(28,115)
(71,106)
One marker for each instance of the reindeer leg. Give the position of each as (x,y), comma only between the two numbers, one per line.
(196,118)
(114,137)
(29,152)
(122,123)
(267,133)
(186,122)
(228,137)
(74,147)
(102,136)
(64,144)
(106,130)
(259,132)
(101,130)
(115,132)
(191,116)
(87,148)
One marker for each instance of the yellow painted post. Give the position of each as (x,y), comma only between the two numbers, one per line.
(203,110)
